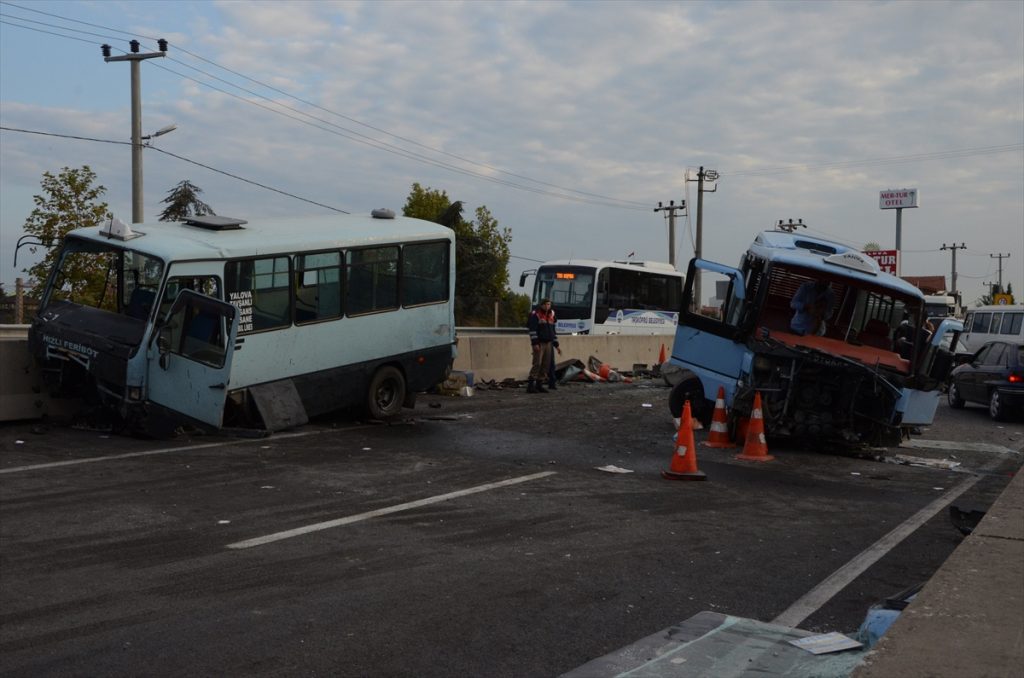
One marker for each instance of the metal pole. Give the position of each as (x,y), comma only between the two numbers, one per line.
(19,301)
(699,240)
(135,57)
(672,239)
(137,216)
(899,238)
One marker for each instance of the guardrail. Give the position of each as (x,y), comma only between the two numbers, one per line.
(14,331)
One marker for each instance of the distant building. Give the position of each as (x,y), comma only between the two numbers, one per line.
(928,284)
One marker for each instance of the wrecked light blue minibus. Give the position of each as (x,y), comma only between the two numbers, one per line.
(220,322)
(854,380)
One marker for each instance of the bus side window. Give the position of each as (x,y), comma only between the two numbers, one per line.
(424,273)
(372,279)
(208,285)
(260,289)
(317,287)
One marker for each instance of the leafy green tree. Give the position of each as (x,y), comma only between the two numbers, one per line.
(183,201)
(481,257)
(69,200)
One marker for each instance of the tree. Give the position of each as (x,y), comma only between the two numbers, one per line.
(183,202)
(872,246)
(69,200)
(481,257)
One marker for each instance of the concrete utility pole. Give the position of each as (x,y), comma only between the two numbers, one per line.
(671,209)
(953,247)
(134,57)
(709,175)
(1000,257)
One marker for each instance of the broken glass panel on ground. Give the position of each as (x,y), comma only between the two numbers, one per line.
(714,644)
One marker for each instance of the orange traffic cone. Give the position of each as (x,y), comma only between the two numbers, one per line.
(684,458)
(718,436)
(661,355)
(755,449)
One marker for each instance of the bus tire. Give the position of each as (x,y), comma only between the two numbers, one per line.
(689,389)
(386,394)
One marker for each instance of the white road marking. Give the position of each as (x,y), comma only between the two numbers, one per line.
(148,453)
(954,446)
(348,520)
(841,578)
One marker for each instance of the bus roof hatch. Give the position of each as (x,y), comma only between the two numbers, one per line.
(215,223)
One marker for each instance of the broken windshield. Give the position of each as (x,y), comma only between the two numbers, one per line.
(109,278)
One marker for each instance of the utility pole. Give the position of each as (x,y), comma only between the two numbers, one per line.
(671,209)
(135,57)
(954,247)
(709,175)
(1000,257)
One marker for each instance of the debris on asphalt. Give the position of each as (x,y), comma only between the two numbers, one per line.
(908,460)
(610,468)
(826,643)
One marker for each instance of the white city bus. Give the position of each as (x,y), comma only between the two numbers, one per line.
(610,297)
(222,322)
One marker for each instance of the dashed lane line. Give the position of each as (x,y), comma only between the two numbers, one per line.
(348,520)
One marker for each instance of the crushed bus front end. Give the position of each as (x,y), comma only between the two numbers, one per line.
(864,370)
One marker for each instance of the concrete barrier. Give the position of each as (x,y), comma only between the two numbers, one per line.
(503,356)
(497,357)
(22,395)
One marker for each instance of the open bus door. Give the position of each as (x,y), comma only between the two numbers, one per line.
(189,357)
(918,405)
(709,348)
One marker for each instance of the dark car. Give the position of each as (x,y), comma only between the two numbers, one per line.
(993,376)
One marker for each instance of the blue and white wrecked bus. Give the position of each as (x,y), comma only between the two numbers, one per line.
(610,297)
(225,323)
(855,379)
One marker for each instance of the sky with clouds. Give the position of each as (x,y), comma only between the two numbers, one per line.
(568,120)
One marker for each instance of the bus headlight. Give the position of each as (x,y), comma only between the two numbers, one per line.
(134,393)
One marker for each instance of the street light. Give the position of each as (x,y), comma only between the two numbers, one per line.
(135,57)
(159,133)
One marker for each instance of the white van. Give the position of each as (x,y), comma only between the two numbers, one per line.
(991,323)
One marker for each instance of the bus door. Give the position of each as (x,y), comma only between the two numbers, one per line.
(918,405)
(708,340)
(189,357)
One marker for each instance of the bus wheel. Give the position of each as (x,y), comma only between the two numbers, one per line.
(387,392)
(689,389)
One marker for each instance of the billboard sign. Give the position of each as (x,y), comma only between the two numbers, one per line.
(888,260)
(897,198)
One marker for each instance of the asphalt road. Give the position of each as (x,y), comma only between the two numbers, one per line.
(121,556)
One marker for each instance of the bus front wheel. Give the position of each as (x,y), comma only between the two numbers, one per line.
(690,389)
(386,394)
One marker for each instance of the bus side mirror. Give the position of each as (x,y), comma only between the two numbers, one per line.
(524,275)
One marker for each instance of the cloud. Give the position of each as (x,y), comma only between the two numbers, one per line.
(616,99)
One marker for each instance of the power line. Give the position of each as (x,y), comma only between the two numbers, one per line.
(602,200)
(179,157)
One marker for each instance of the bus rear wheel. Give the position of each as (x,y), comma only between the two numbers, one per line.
(387,393)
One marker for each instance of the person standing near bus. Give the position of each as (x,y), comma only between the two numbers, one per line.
(541,325)
(813,303)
